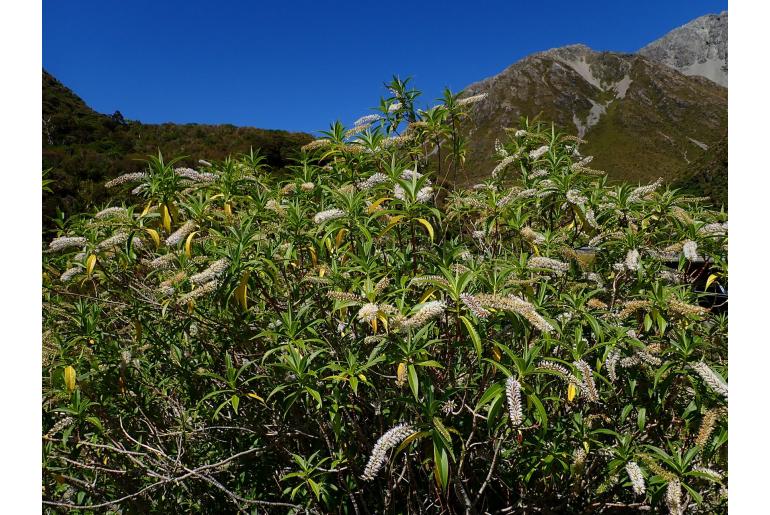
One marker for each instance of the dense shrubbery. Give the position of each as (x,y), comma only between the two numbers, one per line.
(358,340)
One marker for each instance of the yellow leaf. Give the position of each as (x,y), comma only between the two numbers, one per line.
(255,396)
(384,321)
(427,295)
(314,257)
(241,291)
(154,235)
(374,325)
(166,218)
(711,279)
(362,377)
(147,208)
(376,204)
(393,222)
(70,378)
(496,353)
(537,251)
(571,392)
(218,195)
(228,209)
(340,235)
(427,226)
(90,264)
(401,374)
(188,244)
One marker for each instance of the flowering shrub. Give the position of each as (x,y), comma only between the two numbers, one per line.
(356,338)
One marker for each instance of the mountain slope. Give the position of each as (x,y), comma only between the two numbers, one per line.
(696,48)
(642,119)
(85,148)
(708,174)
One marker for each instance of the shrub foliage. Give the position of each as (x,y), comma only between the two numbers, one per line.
(358,339)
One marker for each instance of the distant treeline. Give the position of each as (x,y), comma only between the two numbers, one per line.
(84,149)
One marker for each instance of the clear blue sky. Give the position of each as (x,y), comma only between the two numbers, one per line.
(299,65)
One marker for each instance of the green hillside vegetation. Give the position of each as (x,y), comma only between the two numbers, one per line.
(84,149)
(708,174)
(352,338)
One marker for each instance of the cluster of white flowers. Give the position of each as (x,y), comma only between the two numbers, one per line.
(472,100)
(561,371)
(366,120)
(111,212)
(713,474)
(632,260)
(429,279)
(531,192)
(316,144)
(503,165)
(368,312)
(390,439)
(611,363)
(193,175)
(427,312)
(66,242)
(198,292)
(473,305)
(162,262)
(395,106)
(513,396)
(690,250)
(372,181)
(424,194)
(574,197)
(345,296)
(180,234)
(69,274)
(126,177)
(715,229)
(307,186)
(216,269)
(139,189)
(674,497)
(540,172)
(539,152)
(583,162)
(711,378)
(639,193)
(549,264)
(588,385)
(329,214)
(381,285)
(636,477)
(113,241)
(517,305)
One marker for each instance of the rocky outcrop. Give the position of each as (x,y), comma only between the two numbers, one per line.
(697,48)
